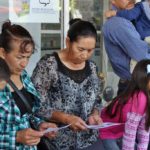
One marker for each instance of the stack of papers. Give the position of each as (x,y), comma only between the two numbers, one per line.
(55,129)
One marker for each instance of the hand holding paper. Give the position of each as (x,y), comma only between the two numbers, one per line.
(46,125)
(103,125)
(96,127)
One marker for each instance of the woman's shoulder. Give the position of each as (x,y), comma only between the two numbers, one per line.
(25,75)
(48,57)
(92,64)
(47,60)
(141,96)
(139,102)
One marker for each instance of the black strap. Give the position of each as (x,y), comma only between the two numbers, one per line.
(23,98)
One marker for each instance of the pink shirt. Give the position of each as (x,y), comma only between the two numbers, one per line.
(133,119)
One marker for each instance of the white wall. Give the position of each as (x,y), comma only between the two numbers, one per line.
(34,29)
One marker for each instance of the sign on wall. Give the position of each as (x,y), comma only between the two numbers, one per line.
(34,11)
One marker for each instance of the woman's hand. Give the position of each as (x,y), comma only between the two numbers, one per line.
(77,124)
(45,125)
(28,136)
(94,120)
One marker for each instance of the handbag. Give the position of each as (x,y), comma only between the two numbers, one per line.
(44,143)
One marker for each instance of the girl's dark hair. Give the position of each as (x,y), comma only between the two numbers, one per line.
(139,82)
(13,32)
(81,28)
(4,70)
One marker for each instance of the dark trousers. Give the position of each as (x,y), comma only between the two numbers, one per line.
(98,145)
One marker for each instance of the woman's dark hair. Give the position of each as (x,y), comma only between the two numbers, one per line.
(13,32)
(139,82)
(74,20)
(81,28)
(4,70)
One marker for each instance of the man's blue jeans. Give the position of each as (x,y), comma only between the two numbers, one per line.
(123,43)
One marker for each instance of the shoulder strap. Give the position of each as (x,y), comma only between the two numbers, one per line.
(22,97)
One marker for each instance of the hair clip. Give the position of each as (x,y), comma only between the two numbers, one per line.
(148,68)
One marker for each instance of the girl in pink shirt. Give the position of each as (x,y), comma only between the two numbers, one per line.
(132,110)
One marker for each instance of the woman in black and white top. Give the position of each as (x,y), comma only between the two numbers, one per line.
(70,88)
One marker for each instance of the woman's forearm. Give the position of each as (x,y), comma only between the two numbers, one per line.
(59,117)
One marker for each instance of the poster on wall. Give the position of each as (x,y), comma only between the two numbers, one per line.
(34,11)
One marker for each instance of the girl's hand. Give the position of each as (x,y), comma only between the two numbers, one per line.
(94,120)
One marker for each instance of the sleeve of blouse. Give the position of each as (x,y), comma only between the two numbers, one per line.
(142,136)
(7,138)
(42,79)
(131,127)
(134,125)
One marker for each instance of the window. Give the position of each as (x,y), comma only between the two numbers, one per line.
(50,37)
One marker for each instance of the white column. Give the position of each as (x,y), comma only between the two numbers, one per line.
(66,10)
(110,76)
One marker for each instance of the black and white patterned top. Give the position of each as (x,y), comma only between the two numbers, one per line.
(73,92)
